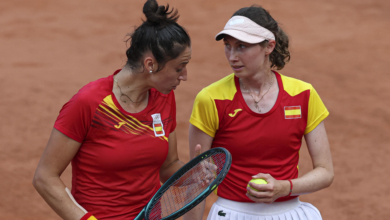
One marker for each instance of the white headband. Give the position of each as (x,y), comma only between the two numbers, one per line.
(246,30)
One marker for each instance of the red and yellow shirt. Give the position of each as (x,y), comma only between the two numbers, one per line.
(116,170)
(259,143)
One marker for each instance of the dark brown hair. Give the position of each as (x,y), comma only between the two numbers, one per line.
(159,34)
(280,55)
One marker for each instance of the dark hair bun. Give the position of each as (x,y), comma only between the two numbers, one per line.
(159,15)
(159,34)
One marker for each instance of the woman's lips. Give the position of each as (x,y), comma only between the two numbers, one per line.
(237,68)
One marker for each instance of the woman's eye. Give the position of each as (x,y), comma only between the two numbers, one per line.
(241,46)
(179,70)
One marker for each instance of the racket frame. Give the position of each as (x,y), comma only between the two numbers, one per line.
(188,166)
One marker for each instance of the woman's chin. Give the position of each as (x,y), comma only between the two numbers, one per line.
(240,74)
(165,91)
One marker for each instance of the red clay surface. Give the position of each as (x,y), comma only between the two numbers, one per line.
(50,49)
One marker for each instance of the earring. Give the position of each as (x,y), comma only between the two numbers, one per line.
(151,71)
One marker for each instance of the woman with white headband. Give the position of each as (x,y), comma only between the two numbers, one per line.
(261,116)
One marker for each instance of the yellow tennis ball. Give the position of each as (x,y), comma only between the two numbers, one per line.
(257,181)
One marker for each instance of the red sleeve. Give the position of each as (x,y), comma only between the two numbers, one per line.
(172,101)
(75,117)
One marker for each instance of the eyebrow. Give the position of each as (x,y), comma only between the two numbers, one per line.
(185,62)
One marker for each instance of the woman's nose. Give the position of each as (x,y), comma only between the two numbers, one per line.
(183,76)
(232,56)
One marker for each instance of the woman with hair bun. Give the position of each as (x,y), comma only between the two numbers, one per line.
(261,116)
(119,131)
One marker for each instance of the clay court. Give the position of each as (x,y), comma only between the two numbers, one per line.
(50,49)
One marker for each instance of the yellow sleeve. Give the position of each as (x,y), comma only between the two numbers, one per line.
(204,113)
(317,111)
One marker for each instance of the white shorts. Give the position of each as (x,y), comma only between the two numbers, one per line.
(224,209)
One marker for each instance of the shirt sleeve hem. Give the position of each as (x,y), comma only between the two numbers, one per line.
(202,127)
(317,122)
(67,133)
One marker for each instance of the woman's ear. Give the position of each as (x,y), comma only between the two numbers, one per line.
(149,64)
(270,47)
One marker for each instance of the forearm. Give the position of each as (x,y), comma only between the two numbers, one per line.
(198,143)
(315,180)
(58,153)
(168,171)
(322,174)
(52,189)
(196,213)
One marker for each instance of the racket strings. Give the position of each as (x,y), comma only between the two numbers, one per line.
(188,186)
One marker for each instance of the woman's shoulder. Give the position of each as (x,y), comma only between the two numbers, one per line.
(294,86)
(94,91)
(227,81)
(224,88)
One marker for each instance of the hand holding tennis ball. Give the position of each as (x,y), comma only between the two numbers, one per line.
(268,190)
(257,181)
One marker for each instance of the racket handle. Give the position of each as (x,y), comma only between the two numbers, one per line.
(141,215)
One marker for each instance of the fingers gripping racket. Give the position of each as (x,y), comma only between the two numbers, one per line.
(189,186)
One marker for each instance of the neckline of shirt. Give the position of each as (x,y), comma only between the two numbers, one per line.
(246,107)
(118,105)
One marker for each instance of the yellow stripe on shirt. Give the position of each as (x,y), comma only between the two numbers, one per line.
(293,112)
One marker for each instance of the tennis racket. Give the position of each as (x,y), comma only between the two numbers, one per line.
(189,186)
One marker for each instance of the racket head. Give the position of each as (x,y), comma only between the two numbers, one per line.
(183,190)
